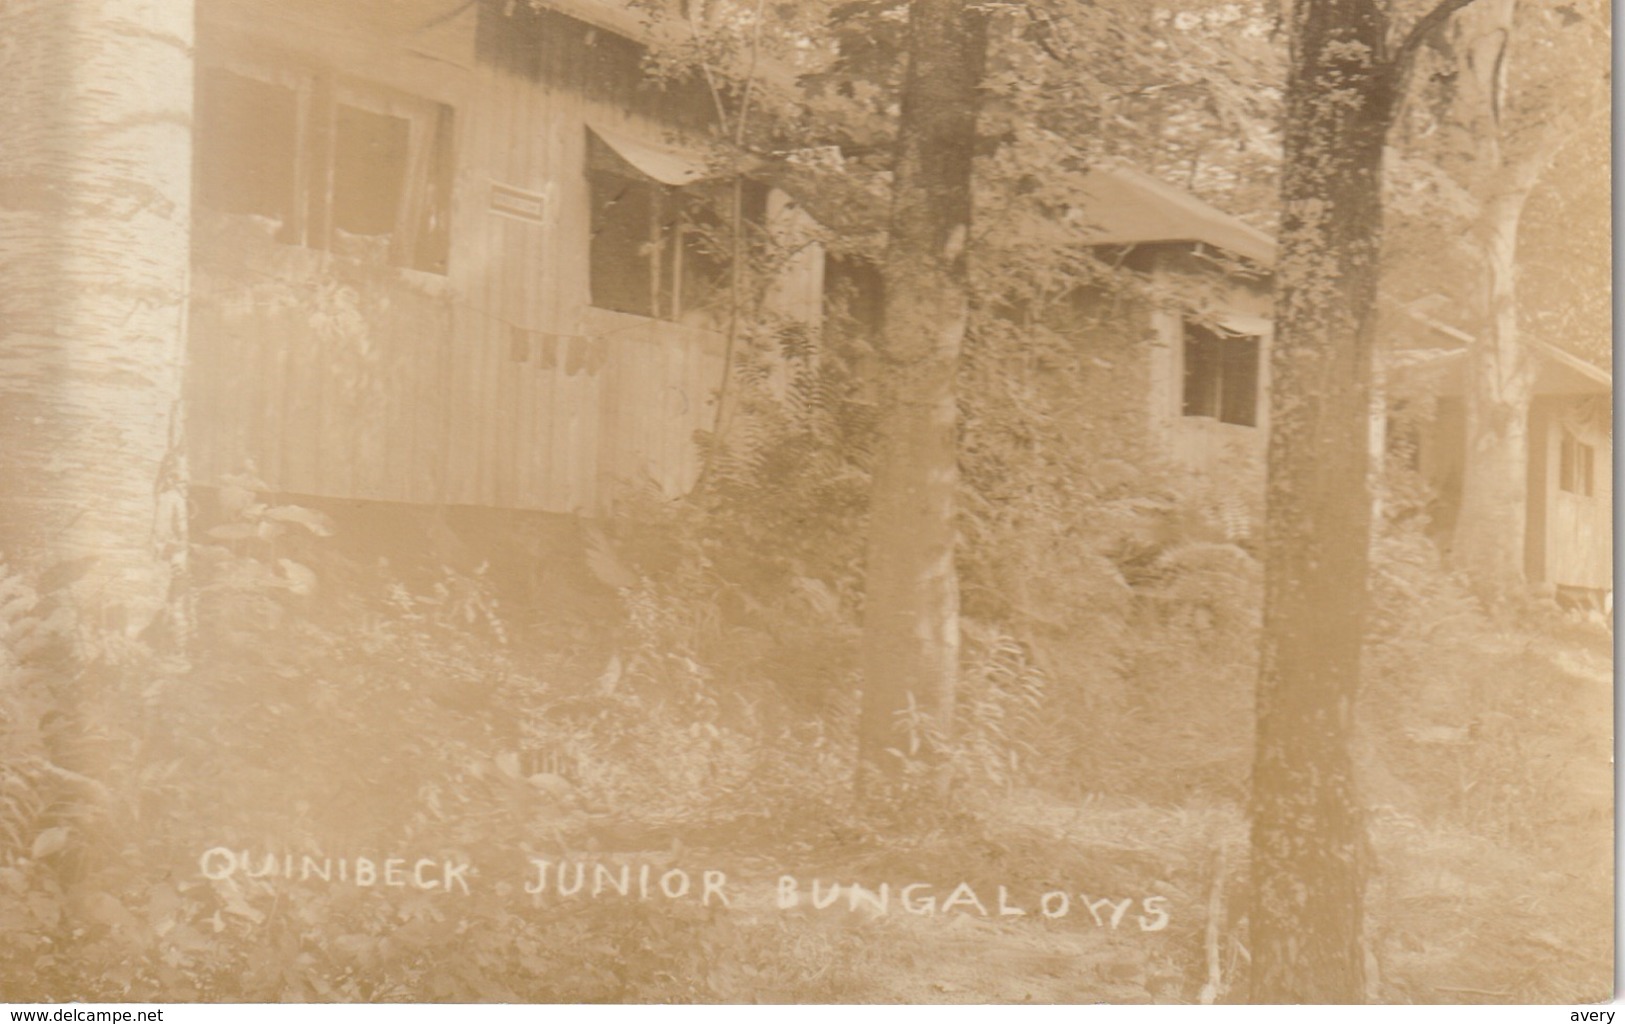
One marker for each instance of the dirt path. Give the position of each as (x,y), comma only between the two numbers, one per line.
(1512,903)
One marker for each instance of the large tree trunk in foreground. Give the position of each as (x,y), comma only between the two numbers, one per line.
(95,193)
(1308,838)
(911,619)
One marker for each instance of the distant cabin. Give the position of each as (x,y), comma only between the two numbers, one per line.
(1568,539)
(455,255)
(1186,378)
(1208,323)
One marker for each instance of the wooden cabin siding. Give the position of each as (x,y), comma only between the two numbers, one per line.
(556,403)
(319,372)
(1128,386)
(564,55)
(498,383)
(1577,517)
(1568,540)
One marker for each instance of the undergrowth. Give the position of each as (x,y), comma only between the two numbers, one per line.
(436,702)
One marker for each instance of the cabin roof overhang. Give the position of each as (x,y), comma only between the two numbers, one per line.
(1557,372)
(1125,207)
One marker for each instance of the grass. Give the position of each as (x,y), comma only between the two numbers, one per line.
(415,700)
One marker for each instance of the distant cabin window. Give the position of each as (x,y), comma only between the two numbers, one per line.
(658,250)
(351,169)
(1576,466)
(1221,374)
(854,294)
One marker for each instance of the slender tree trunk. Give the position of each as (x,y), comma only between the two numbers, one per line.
(911,619)
(1500,381)
(95,194)
(1308,835)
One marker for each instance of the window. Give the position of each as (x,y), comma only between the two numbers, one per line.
(1576,466)
(357,171)
(248,147)
(1221,374)
(854,293)
(659,249)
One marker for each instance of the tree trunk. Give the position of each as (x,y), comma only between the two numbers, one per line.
(1308,836)
(1500,381)
(95,194)
(911,620)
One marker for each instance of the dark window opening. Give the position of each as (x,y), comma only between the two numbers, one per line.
(623,250)
(664,251)
(1221,375)
(366,178)
(247,148)
(369,170)
(433,249)
(1576,466)
(854,294)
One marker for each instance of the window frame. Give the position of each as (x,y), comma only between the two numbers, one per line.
(1576,465)
(672,243)
(318,97)
(1218,335)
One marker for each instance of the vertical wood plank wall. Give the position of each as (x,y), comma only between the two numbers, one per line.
(497,385)
(1579,527)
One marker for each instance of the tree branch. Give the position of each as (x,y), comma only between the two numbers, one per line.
(1404,58)
(1526,171)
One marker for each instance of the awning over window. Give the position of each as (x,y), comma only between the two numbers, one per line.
(619,153)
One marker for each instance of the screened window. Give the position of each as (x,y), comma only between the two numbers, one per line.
(1576,466)
(659,249)
(1221,374)
(370,153)
(335,166)
(248,145)
(627,248)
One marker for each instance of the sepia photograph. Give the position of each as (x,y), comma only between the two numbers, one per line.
(806,502)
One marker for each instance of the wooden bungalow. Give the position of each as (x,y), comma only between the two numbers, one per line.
(1209,330)
(1568,537)
(454,254)
(1200,358)
(1176,369)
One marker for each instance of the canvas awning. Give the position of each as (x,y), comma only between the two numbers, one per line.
(623,154)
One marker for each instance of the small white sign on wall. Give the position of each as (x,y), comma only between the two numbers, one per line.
(518,203)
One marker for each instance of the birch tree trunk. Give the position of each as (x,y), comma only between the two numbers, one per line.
(910,648)
(95,192)
(1500,382)
(1308,838)
(1500,378)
